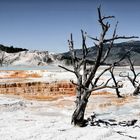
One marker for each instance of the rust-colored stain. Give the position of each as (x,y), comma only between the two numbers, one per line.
(104,100)
(39,90)
(114,101)
(55,90)
(20,74)
(101,93)
(42,97)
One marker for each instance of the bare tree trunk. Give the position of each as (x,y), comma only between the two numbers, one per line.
(115,82)
(78,115)
(136,91)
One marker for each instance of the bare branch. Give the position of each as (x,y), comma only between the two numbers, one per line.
(107,17)
(105,26)
(100,84)
(95,39)
(115,82)
(79,85)
(110,45)
(138,74)
(72,51)
(98,77)
(85,52)
(126,76)
(123,57)
(115,29)
(66,69)
(107,52)
(133,80)
(74,83)
(119,37)
(103,86)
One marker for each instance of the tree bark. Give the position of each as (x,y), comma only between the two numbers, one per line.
(136,91)
(115,82)
(78,115)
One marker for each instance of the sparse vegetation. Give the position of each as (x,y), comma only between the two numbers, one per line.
(11,49)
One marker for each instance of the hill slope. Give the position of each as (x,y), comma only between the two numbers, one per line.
(11,49)
(28,58)
(37,58)
(116,53)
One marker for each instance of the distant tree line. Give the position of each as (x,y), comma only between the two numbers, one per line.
(11,49)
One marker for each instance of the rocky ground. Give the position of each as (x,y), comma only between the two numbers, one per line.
(24,119)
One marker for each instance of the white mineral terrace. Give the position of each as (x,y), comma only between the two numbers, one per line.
(23,119)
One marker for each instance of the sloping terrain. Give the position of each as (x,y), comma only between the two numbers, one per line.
(28,58)
(118,50)
(41,58)
(23,119)
(50,120)
(11,49)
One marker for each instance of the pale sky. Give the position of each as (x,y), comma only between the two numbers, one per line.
(46,24)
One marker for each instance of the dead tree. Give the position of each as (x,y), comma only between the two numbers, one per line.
(88,81)
(134,78)
(2,58)
(115,82)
